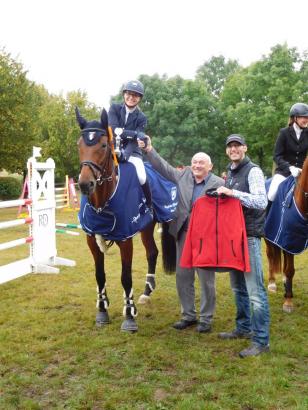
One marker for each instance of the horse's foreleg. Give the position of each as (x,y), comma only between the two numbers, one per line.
(147,237)
(274,265)
(288,271)
(129,310)
(102,317)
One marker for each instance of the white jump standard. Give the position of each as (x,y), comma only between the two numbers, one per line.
(42,236)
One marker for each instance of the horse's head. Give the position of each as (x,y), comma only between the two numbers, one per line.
(94,153)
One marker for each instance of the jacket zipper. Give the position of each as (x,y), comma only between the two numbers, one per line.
(200,246)
(232,247)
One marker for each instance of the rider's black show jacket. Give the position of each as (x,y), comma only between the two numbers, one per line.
(289,150)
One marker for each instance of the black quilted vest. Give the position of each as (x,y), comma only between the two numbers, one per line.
(237,178)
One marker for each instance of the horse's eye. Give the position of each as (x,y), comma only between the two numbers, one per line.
(104,145)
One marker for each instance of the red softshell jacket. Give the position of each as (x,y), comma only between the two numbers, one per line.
(216,235)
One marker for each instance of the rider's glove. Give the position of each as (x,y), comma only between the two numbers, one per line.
(141,136)
(295,171)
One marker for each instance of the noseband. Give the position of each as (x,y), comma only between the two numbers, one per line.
(99,172)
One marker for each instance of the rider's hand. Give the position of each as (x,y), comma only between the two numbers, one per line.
(145,143)
(142,137)
(295,171)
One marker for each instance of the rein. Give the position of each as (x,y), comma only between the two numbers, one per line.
(98,171)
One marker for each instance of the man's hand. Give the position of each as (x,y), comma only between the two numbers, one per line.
(224,190)
(295,171)
(145,143)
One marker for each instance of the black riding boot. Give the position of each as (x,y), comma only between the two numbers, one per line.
(147,193)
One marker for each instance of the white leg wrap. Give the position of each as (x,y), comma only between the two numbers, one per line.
(129,304)
(101,297)
(151,285)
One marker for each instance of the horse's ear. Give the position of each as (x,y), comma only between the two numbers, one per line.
(104,118)
(81,121)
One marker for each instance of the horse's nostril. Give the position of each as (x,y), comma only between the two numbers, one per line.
(84,187)
(87,187)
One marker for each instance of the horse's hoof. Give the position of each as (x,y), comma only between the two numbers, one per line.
(272,287)
(287,308)
(144,300)
(129,325)
(102,319)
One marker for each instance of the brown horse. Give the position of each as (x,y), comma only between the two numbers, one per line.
(274,252)
(97,181)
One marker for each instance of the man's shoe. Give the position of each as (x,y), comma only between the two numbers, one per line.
(254,350)
(203,327)
(235,334)
(183,324)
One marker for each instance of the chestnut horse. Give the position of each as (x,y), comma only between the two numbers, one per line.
(273,252)
(97,182)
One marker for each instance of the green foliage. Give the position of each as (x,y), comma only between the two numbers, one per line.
(10,188)
(19,103)
(257,99)
(215,72)
(184,116)
(60,131)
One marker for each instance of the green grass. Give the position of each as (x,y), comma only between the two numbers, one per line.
(53,356)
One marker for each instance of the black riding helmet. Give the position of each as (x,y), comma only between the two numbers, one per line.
(299,110)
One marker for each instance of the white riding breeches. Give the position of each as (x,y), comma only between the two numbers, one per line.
(139,165)
(276,181)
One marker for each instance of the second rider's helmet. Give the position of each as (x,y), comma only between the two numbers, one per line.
(299,110)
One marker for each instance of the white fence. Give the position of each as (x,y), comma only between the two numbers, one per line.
(42,225)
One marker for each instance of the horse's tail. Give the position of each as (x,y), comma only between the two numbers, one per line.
(273,253)
(168,249)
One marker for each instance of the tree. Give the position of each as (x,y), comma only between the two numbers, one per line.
(60,132)
(19,105)
(257,99)
(215,72)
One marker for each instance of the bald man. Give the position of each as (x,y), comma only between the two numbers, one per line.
(192,182)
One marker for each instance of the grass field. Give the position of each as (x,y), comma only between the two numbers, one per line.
(53,356)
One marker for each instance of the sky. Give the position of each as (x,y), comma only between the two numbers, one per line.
(97,45)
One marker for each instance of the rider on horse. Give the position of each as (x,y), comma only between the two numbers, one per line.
(128,122)
(291,148)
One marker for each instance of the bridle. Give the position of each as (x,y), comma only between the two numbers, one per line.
(99,172)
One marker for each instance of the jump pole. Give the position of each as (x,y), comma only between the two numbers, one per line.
(42,236)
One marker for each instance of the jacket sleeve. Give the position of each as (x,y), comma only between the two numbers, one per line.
(162,166)
(138,131)
(280,151)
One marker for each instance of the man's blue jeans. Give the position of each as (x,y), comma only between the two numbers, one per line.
(251,297)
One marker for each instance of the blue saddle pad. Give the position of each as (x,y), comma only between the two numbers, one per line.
(126,212)
(285,226)
(164,195)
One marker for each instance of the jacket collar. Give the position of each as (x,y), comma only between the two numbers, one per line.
(240,165)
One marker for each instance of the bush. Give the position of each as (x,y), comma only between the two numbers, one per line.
(10,188)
